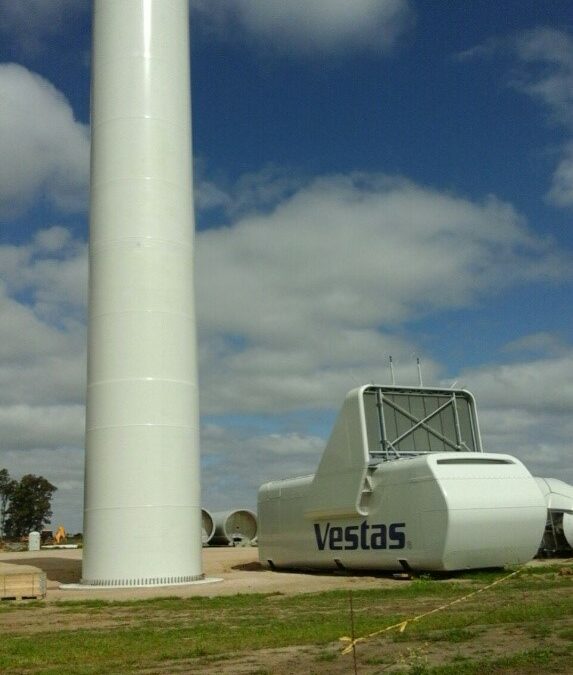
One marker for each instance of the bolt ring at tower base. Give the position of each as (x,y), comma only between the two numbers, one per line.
(103,584)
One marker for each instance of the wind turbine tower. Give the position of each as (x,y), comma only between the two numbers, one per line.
(142,517)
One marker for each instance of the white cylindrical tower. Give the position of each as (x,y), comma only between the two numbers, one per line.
(208,527)
(232,527)
(142,518)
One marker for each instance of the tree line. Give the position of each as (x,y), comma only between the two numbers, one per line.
(25,504)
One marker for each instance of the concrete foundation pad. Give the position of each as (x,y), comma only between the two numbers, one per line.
(93,587)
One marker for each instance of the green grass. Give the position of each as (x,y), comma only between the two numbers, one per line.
(529,662)
(9,606)
(452,635)
(127,636)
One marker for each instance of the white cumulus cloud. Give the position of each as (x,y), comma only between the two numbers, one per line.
(237,462)
(543,70)
(44,150)
(298,302)
(561,192)
(526,410)
(547,75)
(311,26)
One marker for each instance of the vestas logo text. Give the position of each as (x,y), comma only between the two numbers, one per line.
(364,536)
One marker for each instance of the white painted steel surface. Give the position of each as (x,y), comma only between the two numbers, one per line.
(434,511)
(207,526)
(237,526)
(34,541)
(568,527)
(559,500)
(142,519)
(558,494)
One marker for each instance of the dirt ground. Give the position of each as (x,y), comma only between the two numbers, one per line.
(234,570)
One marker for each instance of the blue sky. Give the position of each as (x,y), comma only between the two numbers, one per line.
(372,177)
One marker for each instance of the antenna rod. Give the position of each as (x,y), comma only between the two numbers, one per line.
(419,372)
(392,370)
